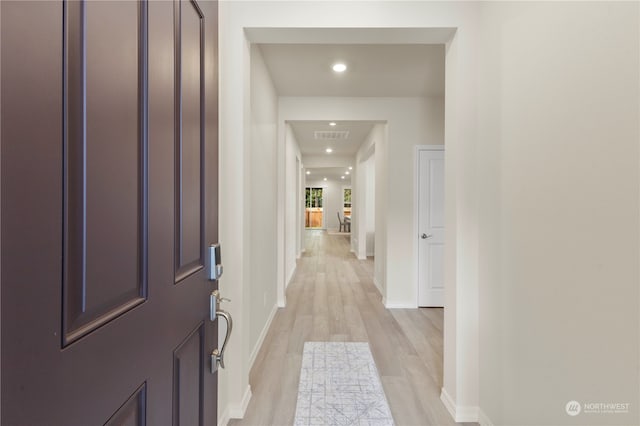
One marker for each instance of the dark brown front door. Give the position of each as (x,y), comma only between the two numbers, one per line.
(109,200)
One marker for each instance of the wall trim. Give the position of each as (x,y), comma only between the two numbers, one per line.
(237,411)
(448,403)
(290,275)
(399,305)
(224,418)
(466,414)
(460,414)
(263,335)
(483,419)
(377,284)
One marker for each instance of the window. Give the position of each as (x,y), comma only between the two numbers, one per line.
(347,201)
(313,197)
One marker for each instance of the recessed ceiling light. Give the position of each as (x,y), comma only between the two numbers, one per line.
(350,168)
(341,177)
(325,178)
(329,150)
(346,173)
(339,67)
(332,124)
(308,172)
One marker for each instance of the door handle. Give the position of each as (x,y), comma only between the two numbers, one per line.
(425,236)
(214,304)
(217,356)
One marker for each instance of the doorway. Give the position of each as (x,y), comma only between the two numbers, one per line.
(314,214)
(430,206)
(396,280)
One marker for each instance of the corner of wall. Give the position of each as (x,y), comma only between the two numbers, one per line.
(238,411)
(223,418)
(483,419)
(460,414)
(375,282)
(262,336)
(291,273)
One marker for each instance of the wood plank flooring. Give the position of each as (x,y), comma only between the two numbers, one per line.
(332,298)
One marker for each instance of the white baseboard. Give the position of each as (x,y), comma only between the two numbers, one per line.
(399,305)
(448,403)
(223,419)
(263,335)
(459,414)
(483,419)
(290,275)
(467,414)
(237,411)
(375,282)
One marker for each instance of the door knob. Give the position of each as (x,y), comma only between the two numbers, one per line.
(425,236)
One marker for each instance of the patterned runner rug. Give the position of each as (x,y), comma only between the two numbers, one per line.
(339,385)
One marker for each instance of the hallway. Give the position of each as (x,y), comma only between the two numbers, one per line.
(332,298)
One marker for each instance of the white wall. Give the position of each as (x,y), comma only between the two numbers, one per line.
(363,195)
(316,161)
(370,203)
(293,181)
(559,251)
(253,302)
(262,188)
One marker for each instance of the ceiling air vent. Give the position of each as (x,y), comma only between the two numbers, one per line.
(331,135)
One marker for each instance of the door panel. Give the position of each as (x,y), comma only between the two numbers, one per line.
(188,372)
(92,323)
(189,108)
(133,411)
(431,228)
(105,127)
(435,195)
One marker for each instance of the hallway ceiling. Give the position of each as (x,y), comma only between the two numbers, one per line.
(309,144)
(402,70)
(331,173)
(374,70)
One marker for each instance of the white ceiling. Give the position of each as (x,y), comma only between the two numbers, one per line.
(402,70)
(305,132)
(317,174)
(374,70)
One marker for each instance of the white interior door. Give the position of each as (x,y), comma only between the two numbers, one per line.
(431,228)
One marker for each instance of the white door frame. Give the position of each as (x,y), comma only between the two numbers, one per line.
(416,211)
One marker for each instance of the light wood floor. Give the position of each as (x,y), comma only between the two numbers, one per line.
(332,298)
